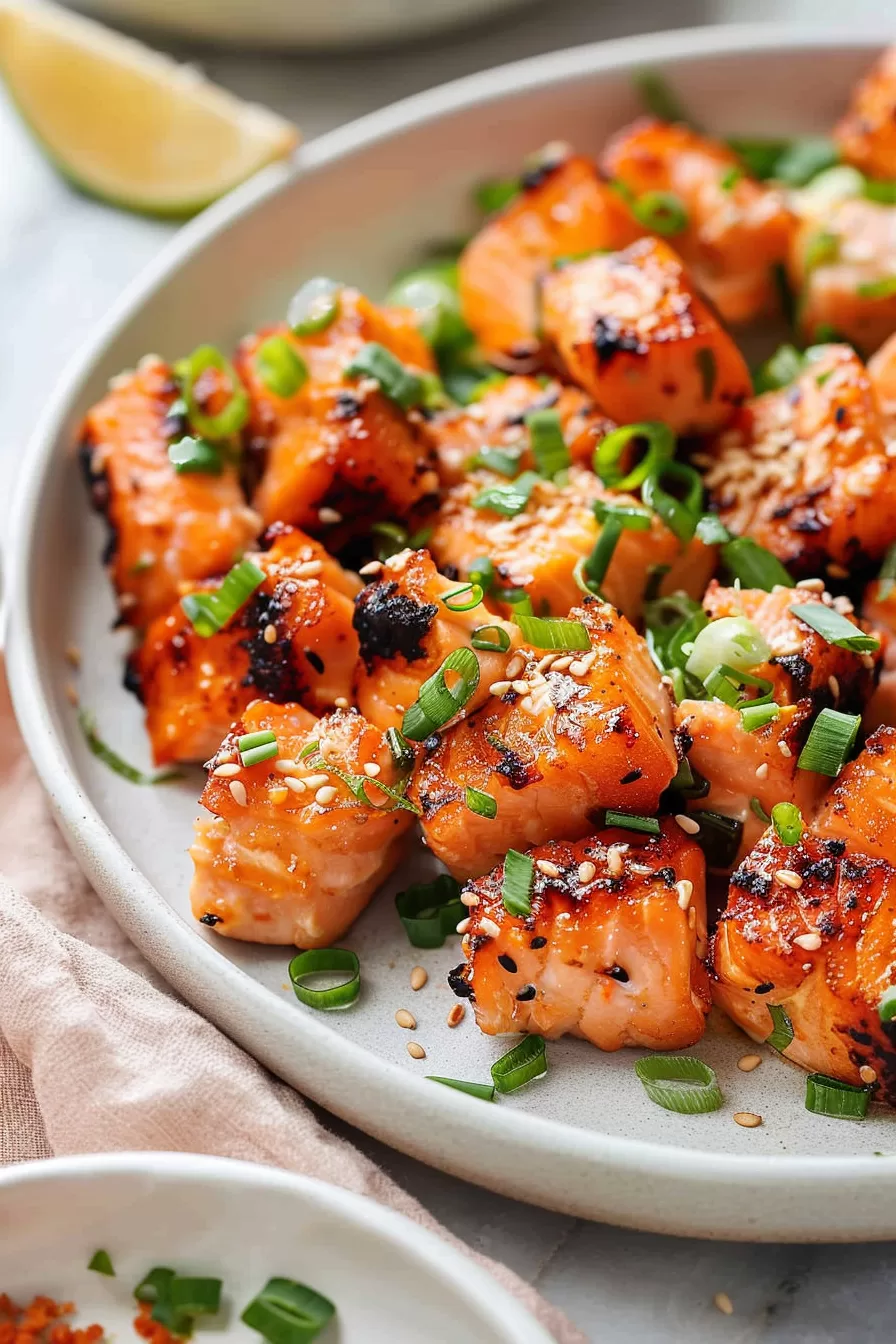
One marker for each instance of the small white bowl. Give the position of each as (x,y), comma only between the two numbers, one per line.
(391,1281)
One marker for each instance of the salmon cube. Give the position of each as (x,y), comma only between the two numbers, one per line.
(879,612)
(866,133)
(861,807)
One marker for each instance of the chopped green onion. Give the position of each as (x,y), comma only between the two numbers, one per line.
(759,156)
(822,249)
(755,716)
(516,887)
(189,455)
(359,786)
(430,911)
(436,703)
(781,1033)
(887,1007)
(494,195)
(804,159)
(609,454)
(658,98)
(680,515)
(831,188)
(101,1263)
(708,369)
(467,379)
(500,644)
(103,752)
(281,368)
(787,820)
(517,598)
(719,837)
(390,538)
(570,258)
(725,683)
(548,444)
(836,1100)
(680,1083)
(878,289)
(830,741)
(195,1297)
(402,751)
(733,641)
(396,381)
(327,961)
(465,598)
(314,307)
(256,747)
(661,212)
(310,749)
(630,516)
(482,571)
(671,623)
(154,1285)
(508,500)
(887,575)
(753,566)
(177,1301)
(628,821)
(521,1065)
(590,570)
(504,462)
(483,804)
(687,782)
(209,612)
(233,416)
(552,632)
(779,370)
(484,1091)
(729,179)
(834,628)
(286,1312)
(432,293)
(759,811)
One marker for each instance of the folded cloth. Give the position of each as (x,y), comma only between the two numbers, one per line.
(97,1054)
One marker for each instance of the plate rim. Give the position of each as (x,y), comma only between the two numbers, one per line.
(402,1100)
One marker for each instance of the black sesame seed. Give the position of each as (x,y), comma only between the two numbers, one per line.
(764,988)
(617,973)
(536,943)
(526,993)
(211,920)
(631,777)
(507,962)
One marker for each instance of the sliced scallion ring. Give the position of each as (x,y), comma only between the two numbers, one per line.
(759,811)
(630,821)
(437,703)
(501,460)
(730,641)
(612,450)
(831,739)
(209,612)
(481,638)
(327,961)
(314,307)
(548,444)
(753,566)
(887,1007)
(726,683)
(510,499)
(483,804)
(659,98)
(516,887)
(781,1033)
(787,820)
(834,628)
(103,752)
(194,1296)
(885,288)
(195,456)
(661,212)
(101,1263)
(256,747)
(482,571)
(712,531)
(431,291)
(281,368)
(286,1312)
(231,418)
(389,538)
(680,1083)
(552,632)
(521,1065)
(430,911)
(755,716)
(835,1099)
(397,382)
(484,1091)
(401,749)
(464,598)
(495,194)
(680,515)
(887,575)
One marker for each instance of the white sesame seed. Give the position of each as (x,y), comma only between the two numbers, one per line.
(406,1019)
(456,1015)
(489,928)
(223,757)
(615,861)
(499,688)
(515,666)
(521,687)
(810,586)
(747,1063)
(692,916)
(866,660)
(419,977)
(762,770)
(549,869)
(867,1074)
(809,942)
(238,792)
(685,889)
(784,749)
(416,1051)
(748,1119)
(469,899)
(270,634)
(340,702)
(640,869)
(546,662)
(788,878)
(561,664)
(315,781)
(329,516)
(837,571)
(295,785)
(578,668)
(834,686)
(371,769)
(587,871)
(207,669)
(372,567)
(226,771)
(463,925)
(724,1304)
(325,795)
(310,569)
(687,824)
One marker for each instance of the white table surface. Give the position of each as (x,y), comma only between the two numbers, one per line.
(62,261)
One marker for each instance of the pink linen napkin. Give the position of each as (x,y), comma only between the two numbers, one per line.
(97,1054)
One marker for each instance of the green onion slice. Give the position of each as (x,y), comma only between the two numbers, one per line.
(482,571)
(887,576)
(103,752)
(759,811)
(803,159)
(755,716)
(494,195)
(430,911)
(659,98)
(753,566)
(712,531)
(730,178)
(464,598)
(661,212)
(327,961)
(821,249)
(680,515)
(733,641)
(483,804)
(195,1297)
(613,450)
(517,598)
(256,747)
(481,638)
(837,1100)
(680,1083)
(436,703)
(286,1312)
(781,1033)
(548,444)
(687,782)
(233,416)
(552,632)
(629,821)
(779,370)
(673,622)
(389,538)
(516,887)
(521,1065)
(101,1263)
(210,612)
(281,368)
(401,749)
(157,1288)
(759,155)
(510,499)
(431,291)
(878,289)
(314,307)
(787,820)
(195,456)
(830,741)
(726,683)
(502,460)
(396,381)
(887,1007)
(834,628)
(719,837)
(630,516)
(484,1091)
(155,1284)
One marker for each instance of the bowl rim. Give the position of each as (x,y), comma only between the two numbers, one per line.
(188,960)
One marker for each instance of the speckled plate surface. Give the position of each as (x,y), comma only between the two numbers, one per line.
(361,203)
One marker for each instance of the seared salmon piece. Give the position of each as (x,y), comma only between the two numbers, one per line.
(879,611)
(166,527)
(810,927)
(631,328)
(566,738)
(735,231)
(564,209)
(405,633)
(289,853)
(293,640)
(806,472)
(611,951)
(866,133)
(539,547)
(760,768)
(498,420)
(861,807)
(339,444)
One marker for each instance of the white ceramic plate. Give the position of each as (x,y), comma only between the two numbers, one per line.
(363,201)
(391,1282)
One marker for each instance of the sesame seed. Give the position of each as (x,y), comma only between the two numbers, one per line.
(207,669)
(561,664)
(71,694)
(499,688)
(809,942)
(270,634)
(310,569)
(463,925)
(419,977)
(837,571)
(238,792)
(747,1063)
(372,567)
(685,889)
(867,1074)
(73,655)
(469,899)
(615,861)
(789,878)
(586,872)
(521,687)
(340,702)
(834,686)
(640,869)
(578,668)
(416,1051)
(456,1015)
(748,1119)
(762,770)
(546,662)
(724,1304)
(811,585)
(371,769)
(223,757)
(687,824)
(329,516)
(692,917)
(325,795)
(226,771)
(278,794)
(549,869)
(489,928)
(784,749)
(315,781)
(866,660)
(515,666)
(406,1019)
(295,785)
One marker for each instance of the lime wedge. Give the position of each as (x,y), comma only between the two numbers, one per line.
(125,123)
